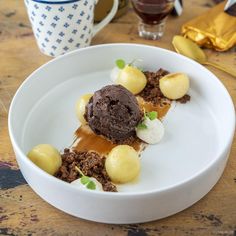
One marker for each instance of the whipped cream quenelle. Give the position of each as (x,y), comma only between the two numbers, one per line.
(153,131)
(79,184)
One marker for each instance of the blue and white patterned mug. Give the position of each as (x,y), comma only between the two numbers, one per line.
(61,26)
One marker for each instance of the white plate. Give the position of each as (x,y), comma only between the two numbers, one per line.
(175,173)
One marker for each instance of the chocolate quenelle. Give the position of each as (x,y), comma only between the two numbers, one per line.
(113,112)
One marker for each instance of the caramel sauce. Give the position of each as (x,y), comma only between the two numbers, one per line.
(161,109)
(87,140)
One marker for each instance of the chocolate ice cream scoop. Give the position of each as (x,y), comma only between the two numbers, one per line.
(113,112)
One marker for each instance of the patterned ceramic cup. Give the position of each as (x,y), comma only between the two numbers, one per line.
(61,26)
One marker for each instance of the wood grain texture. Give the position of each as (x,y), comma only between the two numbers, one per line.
(22,212)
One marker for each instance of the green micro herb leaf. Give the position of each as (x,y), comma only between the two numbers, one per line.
(91,185)
(132,63)
(120,63)
(85,180)
(151,115)
(78,169)
(141,126)
(141,69)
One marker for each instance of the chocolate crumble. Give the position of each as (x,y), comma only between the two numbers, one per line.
(186,98)
(90,163)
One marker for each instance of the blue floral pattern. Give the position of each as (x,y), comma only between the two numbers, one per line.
(60,28)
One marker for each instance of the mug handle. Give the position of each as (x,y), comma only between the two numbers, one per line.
(107,19)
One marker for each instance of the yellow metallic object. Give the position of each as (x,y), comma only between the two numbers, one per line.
(214,29)
(190,49)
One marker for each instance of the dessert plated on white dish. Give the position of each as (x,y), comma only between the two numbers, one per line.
(174,174)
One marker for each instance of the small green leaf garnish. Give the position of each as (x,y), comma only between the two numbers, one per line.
(85,180)
(120,63)
(144,115)
(78,169)
(151,115)
(141,69)
(141,126)
(132,62)
(91,185)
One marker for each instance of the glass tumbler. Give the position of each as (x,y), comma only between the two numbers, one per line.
(153,15)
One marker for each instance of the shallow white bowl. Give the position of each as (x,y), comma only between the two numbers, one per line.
(175,173)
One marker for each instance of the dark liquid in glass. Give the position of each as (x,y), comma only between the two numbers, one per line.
(152,11)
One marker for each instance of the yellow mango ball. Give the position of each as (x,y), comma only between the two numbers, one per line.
(132,79)
(80,107)
(174,86)
(46,157)
(122,164)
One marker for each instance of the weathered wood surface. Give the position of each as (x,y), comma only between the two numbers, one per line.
(22,212)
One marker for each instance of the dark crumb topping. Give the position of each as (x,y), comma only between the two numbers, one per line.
(90,163)
(152,92)
(186,98)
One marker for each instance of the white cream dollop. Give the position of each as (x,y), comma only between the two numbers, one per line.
(78,184)
(115,73)
(153,133)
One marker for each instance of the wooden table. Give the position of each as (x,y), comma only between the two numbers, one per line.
(22,212)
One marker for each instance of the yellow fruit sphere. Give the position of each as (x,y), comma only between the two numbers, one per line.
(132,79)
(46,157)
(122,164)
(80,107)
(174,86)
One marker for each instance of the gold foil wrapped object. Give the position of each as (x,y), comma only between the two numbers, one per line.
(213,29)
